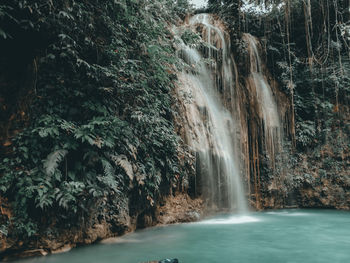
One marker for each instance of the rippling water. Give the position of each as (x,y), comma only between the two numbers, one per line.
(275,236)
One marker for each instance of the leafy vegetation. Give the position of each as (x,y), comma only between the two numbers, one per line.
(310,60)
(307,50)
(100,76)
(306,46)
(86,101)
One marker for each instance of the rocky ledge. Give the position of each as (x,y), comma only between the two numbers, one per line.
(172,209)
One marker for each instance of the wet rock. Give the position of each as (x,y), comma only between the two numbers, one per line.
(63,249)
(144,220)
(6,243)
(97,232)
(32,253)
(193,216)
(173,260)
(180,208)
(53,244)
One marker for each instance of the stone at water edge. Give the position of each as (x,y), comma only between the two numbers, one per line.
(173,260)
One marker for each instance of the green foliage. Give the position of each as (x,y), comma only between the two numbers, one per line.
(103,91)
(190,38)
(306,132)
(5,11)
(305,45)
(314,61)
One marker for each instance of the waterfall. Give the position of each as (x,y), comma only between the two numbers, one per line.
(211,130)
(265,99)
(228,124)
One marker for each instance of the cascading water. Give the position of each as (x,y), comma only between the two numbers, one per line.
(265,99)
(228,125)
(210,127)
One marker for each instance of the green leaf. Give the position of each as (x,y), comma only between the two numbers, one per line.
(53,160)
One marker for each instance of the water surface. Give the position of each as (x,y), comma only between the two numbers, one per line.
(265,237)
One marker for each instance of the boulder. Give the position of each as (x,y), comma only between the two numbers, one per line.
(173,260)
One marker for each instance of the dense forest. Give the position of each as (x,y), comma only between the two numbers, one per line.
(90,127)
(87,110)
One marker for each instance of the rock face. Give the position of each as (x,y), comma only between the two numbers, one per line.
(180,208)
(312,182)
(27,253)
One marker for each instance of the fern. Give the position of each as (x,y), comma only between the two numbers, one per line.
(53,160)
(122,161)
(118,102)
(107,168)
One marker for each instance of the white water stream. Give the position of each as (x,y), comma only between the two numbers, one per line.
(265,99)
(210,126)
(218,111)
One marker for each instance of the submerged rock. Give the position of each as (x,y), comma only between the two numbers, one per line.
(173,260)
(167,260)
